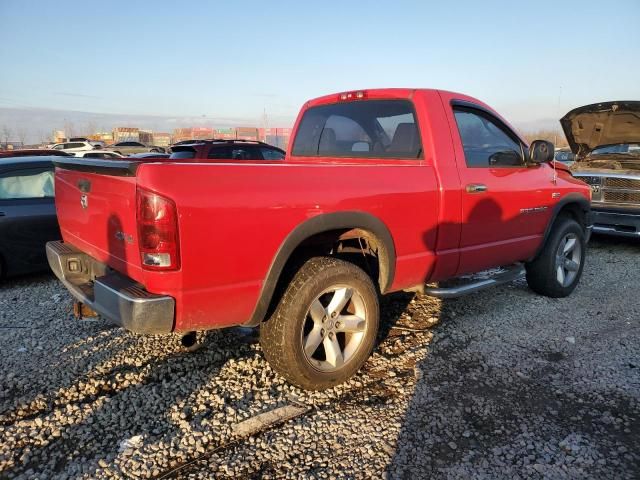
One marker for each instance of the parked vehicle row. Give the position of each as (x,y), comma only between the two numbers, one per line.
(121,148)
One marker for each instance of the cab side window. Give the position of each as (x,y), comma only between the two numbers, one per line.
(32,183)
(486,141)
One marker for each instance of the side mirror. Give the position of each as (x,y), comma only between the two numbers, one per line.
(540,151)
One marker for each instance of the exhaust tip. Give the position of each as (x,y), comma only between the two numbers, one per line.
(189,341)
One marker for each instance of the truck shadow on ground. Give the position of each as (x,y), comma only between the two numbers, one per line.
(497,396)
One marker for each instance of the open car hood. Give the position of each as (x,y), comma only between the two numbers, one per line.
(599,124)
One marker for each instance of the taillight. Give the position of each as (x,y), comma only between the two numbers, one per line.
(348,96)
(157,219)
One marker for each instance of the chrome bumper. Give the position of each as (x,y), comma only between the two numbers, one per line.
(114,296)
(616,223)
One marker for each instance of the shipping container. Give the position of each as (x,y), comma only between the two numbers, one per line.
(126,134)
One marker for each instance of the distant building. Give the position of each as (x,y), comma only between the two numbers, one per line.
(126,134)
(247,133)
(225,133)
(106,137)
(161,139)
(193,133)
(201,133)
(278,137)
(12,145)
(145,136)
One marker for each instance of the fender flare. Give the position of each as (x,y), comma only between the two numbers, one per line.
(324,223)
(571,198)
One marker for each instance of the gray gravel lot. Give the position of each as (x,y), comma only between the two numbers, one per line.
(501,384)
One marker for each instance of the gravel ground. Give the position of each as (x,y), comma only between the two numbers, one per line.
(501,384)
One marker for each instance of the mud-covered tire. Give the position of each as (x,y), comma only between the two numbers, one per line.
(564,250)
(298,322)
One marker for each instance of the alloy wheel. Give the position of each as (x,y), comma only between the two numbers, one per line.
(568,259)
(334,328)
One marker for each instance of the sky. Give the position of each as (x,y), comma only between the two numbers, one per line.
(230,62)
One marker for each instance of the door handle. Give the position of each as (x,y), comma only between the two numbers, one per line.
(476,188)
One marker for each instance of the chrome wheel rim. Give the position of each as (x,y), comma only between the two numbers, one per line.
(334,328)
(568,259)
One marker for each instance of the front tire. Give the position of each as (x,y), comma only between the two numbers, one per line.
(557,270)
(325,325)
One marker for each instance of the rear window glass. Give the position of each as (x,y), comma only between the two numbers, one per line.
(369,129)
(99,155)
(27,184)
(272,154)
(235,153)
(183,153)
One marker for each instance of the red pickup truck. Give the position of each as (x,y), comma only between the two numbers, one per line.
(380,191)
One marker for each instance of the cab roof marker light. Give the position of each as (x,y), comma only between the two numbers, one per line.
(357,95)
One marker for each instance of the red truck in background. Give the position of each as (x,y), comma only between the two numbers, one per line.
(380,191)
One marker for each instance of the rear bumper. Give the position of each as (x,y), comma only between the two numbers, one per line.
(616,223)
(114,296)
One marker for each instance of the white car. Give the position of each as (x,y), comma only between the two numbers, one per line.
(73,147)
(98,154)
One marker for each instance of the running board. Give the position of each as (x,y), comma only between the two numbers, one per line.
(509,275)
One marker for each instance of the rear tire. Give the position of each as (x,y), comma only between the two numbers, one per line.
(325,326)
(557,270)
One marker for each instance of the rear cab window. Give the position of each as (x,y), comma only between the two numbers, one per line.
(182,152)
(362,129)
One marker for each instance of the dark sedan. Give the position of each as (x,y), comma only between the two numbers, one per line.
(27,213)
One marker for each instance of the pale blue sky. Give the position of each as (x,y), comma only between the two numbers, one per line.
(530,60)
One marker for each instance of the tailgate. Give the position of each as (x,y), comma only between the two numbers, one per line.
(96,207)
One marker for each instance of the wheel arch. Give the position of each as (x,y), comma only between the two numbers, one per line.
(574,206)
(362,224)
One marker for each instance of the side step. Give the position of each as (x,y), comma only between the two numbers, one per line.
(508,274)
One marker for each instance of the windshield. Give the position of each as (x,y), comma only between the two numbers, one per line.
(564,156)
(624,148)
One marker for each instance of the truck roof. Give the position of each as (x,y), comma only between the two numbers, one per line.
(402,93)
(381,94)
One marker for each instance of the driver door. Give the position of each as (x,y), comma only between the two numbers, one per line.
(503,212)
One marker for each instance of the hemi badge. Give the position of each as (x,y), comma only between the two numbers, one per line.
(555,195)
(533,210)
